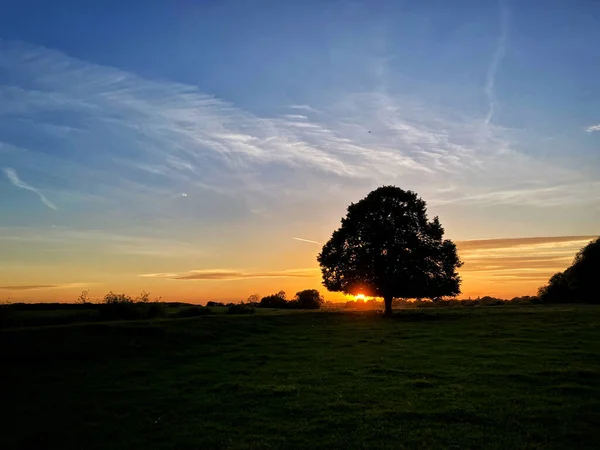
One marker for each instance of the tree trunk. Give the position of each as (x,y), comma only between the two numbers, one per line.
(388,306)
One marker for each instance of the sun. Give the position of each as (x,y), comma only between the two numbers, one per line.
(359,297)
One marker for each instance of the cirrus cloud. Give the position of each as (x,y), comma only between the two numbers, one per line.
(224,274)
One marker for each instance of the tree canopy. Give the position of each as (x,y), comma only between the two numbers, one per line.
(308,299)
(387,247)
(579,282)
(274,301)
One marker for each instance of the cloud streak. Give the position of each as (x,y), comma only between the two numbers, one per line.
(174,138)
(12,176)
(496,60)
(36,287)
(529,242)
(61,239)
(529,260)
(593,128)
(231,275)
(307,240)
(28,287)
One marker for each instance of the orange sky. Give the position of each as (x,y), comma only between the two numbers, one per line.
(497,267)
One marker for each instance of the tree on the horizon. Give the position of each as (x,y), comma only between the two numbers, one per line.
(277,300)
(579,282)
(386,247)
(253,299)
(308,299)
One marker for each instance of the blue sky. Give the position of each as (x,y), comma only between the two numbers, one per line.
(184,135)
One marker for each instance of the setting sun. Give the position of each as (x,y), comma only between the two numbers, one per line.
(359,297)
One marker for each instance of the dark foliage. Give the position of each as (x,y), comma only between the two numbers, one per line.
(308,299)
(386,247)
(274,301)
(215,304)
(240,308)
(131,311)
(6,316)
(194,311)
(579,282)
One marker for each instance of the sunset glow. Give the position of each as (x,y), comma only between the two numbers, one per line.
(213,178)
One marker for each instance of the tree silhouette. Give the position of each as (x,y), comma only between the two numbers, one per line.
(274,301)
(386,247)
(579,282)
(308,299)
(253,299)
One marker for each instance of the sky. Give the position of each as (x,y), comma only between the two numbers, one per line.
(204,150)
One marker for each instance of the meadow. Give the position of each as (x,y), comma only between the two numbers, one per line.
(510,377)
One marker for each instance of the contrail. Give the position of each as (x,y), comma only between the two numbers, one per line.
(307,240)
(498,55)
(14,179)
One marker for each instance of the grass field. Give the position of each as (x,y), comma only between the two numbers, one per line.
(495,378)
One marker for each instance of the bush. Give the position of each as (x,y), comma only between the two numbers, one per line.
(240,309)
(155,310)
(490,301)
(274,301)
(194,311)
(308,299)
(525,300)
(112,298)
(215,304)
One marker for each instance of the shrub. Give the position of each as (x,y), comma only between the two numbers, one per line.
(84,297)
(490,301)
(240,309)
(112,298)
(155,310)
(274,301)
(308,299)
(144,297)
(215,304)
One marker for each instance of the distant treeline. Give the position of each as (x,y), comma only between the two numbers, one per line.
(72,306)
(306,299)
(124,307)
(410,303)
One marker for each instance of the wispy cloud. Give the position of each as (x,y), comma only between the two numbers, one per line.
(12,176)
(61,239)
(496,60)
(593,128)
(544,196)
(307,240)
(528,260)
(28,287)
(173,138)
(223,274)
(528,242)
(303,108)
(36,287)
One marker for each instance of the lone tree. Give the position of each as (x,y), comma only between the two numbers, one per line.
(579,282)
(386,247)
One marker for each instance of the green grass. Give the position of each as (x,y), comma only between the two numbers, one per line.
(496,378)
